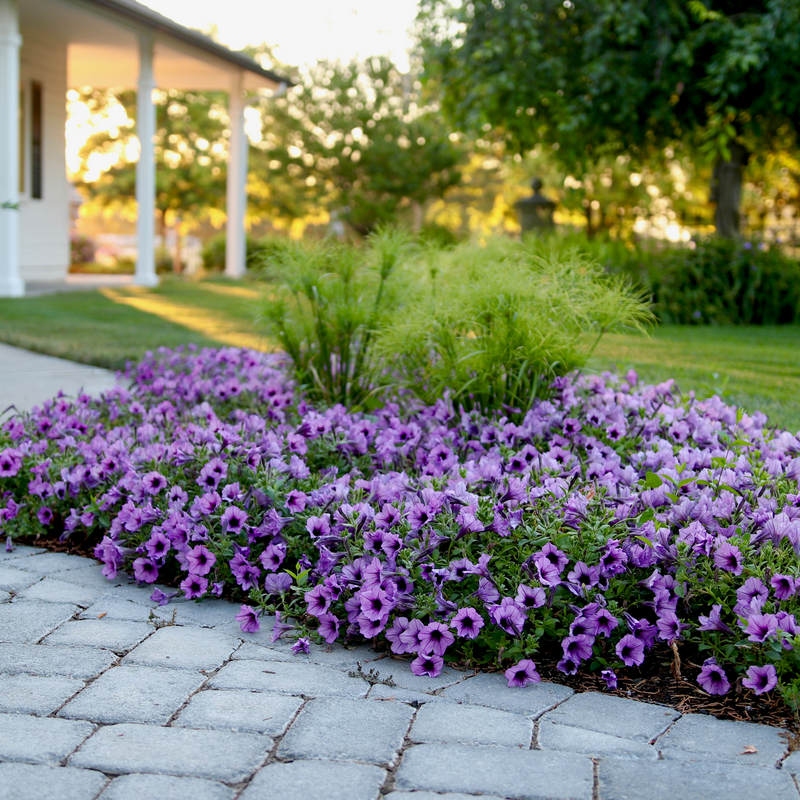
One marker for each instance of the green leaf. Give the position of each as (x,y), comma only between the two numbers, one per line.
(652,480)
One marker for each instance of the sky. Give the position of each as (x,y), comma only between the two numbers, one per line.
(303,31)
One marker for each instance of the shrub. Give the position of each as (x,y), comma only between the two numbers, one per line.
(496,324)
(259,252)
(332,302)
(710,281)
(727,283)
(616,524)
(81,249)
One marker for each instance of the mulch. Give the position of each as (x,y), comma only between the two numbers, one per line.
(654,682)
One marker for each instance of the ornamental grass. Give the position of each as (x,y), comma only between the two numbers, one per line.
(609,522)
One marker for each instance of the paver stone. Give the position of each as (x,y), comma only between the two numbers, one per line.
(316,779)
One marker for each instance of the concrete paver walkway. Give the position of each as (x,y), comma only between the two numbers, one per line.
(104,694)
(28,379)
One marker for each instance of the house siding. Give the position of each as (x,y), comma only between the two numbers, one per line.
(44,223)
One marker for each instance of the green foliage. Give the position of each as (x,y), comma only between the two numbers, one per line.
(711,280)
(259,252)
(725,282)
(191,149)
(629,71)
(496,324)
(333,300)
(356,139)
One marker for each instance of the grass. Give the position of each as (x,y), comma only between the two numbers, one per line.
(755,367)
(110,326)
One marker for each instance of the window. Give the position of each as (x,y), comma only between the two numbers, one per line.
(22,137)
(36,140)
(31,139)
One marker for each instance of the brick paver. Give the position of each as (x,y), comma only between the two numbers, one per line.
(106,696)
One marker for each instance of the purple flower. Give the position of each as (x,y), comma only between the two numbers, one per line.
(761,627)
(761,679)
(467,623)
(610,677)
(435,637)
(273,556)
(713,622)
(154,482)
(577,648)
(487,592)
(728,557)
(200,560)
(194,586)
(712,678)
(630,650)
(369,628)
(277,584)
(529,597)
(145,570)
(375,604)
(45,515)
(784,586)
(394,633)
(302,645)
(162,598)
(328,627)
(567,666)
(158,545)
(318,600)
(430,665)
(509,616)
(278,629)
(248,619)
(670,627)
(233,519)
(522,674)
(410,636)
(583,575)
(10,462)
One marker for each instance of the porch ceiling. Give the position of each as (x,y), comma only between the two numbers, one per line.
(103,48)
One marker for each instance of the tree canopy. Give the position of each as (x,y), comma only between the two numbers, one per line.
(589,77)
(355,139)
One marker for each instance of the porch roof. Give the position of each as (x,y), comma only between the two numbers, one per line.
(103,46)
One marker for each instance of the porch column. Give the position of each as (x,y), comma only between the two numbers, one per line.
(145,168)
(235,239)
(11,284)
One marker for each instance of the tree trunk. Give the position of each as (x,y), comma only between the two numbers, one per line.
(726,191)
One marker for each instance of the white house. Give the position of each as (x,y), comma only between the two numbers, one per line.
(50,46)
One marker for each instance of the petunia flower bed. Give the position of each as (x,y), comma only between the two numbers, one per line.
(612,523)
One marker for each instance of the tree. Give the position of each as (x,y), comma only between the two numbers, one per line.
(191,151)
(600,77)
(356,140)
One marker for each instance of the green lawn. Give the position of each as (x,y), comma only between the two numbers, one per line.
(754,367)
(758,368)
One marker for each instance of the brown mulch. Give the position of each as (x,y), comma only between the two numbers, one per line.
(653,682)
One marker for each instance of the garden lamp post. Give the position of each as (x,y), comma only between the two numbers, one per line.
(535,212)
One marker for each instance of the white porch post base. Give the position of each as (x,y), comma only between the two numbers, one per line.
(11,284)
(235,237)
(145,169)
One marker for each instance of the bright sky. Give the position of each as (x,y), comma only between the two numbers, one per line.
(303,30)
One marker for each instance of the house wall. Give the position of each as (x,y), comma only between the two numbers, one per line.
(44,223)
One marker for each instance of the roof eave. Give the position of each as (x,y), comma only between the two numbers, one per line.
(153,20)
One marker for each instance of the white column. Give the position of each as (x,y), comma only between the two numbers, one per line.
(145,168)
(11,284)
(235,239)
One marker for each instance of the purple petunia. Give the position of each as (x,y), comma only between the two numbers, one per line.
(467,623)
(145,570)
(761,679)
(630,650)
(248,619)
(435,638)
(610,677)
(200,560)
(712,678)
(429,665)
(522,674)
(302,645)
